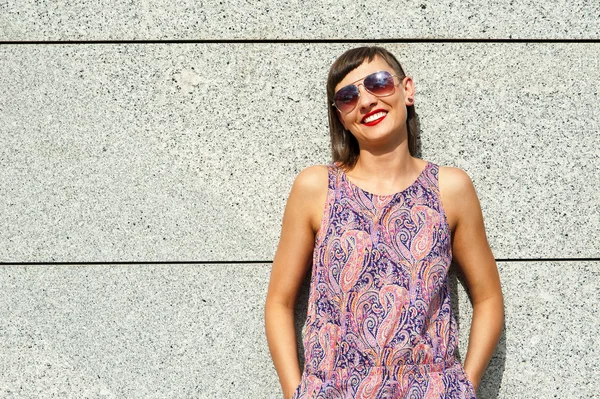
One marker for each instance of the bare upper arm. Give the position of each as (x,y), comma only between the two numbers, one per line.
(301,220)
(470,248)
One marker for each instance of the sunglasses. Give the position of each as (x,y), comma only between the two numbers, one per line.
(380,84)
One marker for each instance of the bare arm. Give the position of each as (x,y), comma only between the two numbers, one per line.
(472,254)
(292,260)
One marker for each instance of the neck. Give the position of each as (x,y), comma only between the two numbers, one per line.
(385,161)
(384,165)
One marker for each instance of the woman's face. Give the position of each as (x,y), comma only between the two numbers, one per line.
(376,119)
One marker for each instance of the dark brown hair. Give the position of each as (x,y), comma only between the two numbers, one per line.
(344,147)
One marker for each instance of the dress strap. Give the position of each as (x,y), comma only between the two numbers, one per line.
(429,178)
(334,173)
(333,185)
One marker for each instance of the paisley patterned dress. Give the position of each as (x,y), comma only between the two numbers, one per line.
(380,324)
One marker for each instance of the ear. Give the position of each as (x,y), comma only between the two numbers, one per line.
(409,90)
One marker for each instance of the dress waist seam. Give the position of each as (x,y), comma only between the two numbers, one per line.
(398,369)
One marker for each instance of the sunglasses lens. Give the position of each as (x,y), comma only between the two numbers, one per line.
(380,83)
(346,98)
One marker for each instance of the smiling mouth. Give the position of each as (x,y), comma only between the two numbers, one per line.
(374,118)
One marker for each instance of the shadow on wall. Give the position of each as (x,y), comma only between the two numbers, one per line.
(492,379)
(419,153)
(300,315)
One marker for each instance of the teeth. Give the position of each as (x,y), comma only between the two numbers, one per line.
(375,117)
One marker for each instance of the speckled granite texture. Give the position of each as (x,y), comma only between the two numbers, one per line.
(187,152)
(320,19)
(188,331)
(196,331)
(550,347)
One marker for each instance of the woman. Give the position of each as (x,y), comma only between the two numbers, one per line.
(379,228)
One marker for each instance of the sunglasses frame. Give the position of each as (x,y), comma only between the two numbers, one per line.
(362,84)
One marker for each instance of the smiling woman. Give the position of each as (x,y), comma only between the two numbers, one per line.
(380,228)
(343,144)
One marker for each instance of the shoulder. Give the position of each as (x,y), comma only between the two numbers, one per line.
(454,181)
(311,180)
(457,193)
(309,194)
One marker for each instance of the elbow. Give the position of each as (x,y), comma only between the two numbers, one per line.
(275,308)
(492,307)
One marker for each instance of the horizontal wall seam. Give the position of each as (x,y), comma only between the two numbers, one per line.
(251,262)
(300,41)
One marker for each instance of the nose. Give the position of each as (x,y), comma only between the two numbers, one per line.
(366,99)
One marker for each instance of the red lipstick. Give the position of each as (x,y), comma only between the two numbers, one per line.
(376,121)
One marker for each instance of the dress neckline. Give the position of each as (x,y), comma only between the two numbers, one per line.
(382,196)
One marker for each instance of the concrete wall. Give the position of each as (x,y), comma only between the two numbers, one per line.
(182,151)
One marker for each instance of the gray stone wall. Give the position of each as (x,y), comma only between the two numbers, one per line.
(147,149)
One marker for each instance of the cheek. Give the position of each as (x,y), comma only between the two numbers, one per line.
(341,119)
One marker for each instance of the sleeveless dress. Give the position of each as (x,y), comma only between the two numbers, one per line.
(379,322)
